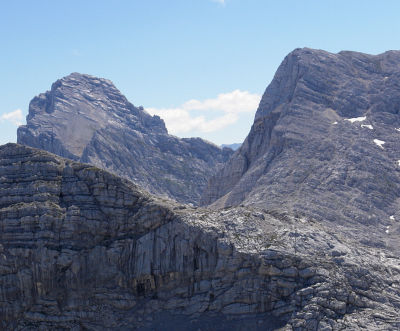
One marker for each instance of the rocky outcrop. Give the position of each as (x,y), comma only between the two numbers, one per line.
(325,142)
(83,249)
(86,118)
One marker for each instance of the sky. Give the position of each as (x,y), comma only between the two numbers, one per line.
(202,65)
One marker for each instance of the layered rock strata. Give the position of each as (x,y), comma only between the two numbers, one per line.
(81,249)
(87,119)
(325,142)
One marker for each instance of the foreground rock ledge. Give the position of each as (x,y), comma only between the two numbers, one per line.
(82,249)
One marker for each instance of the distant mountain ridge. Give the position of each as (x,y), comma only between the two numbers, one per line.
(87,119)
(234,146)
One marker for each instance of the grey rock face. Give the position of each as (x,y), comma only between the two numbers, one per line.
(86,118)
(83,249)
(316,145)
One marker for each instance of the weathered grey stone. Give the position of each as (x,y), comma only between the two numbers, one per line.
(86,118)
(269,270)
(83,249)
(89,250)
(307,272)
(312,150)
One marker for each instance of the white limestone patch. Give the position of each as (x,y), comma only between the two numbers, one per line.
(387,229)
(397,129)
(334,123)
(368,126)
(356,119)
(379,143)
(398,163)
(391,217)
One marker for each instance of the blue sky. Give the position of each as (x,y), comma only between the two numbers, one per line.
(202,64)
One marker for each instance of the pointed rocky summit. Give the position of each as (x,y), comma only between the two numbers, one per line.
(87,119)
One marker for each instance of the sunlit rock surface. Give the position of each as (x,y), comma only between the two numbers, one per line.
(87,118)
(325,143)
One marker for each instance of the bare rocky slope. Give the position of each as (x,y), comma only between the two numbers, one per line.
(86,118)
(325,143)
(82,249)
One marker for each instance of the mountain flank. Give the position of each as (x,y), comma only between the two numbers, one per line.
(87,119)
(325,143)
(299,230)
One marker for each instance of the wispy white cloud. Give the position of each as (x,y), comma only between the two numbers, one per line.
(227,106)
(15,117)
(222,2)
(233,102)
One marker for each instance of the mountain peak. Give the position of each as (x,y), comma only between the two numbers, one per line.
(86,118)
(77,79)
(75,108)
(324,141)
(320,77)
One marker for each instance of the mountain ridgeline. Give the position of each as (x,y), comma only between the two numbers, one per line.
(87,119)
(325,142)
(299,229)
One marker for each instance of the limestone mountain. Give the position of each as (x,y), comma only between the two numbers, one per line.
(325,143)
(307,239)
(82,249)
(86,118)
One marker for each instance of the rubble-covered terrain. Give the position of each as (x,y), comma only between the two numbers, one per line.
(82,249)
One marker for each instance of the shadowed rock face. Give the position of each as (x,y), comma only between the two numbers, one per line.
(315,145)
(83,249)
(87,119)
